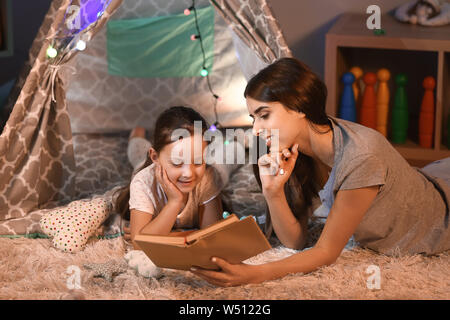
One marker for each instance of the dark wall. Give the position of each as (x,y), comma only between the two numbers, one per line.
(306,22)
(27,17)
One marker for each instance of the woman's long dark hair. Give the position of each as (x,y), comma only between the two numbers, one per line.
(167,122)
(294,85)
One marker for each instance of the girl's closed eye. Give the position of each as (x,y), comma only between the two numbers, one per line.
(176,164)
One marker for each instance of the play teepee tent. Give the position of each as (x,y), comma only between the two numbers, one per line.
(95,67)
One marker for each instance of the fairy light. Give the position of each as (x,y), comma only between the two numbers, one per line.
(187,11)
(51,52)
(213,127)
(204,72)
(81,45)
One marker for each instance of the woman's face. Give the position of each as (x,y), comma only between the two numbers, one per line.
(270,117)
(183,162)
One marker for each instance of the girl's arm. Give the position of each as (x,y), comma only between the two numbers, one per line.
(347,212)
(142,222)
(138,219)
(210,212)
(164,221)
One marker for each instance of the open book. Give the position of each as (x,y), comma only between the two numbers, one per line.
(231,239)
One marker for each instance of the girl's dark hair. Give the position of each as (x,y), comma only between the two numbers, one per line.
(168,121)
(294,85)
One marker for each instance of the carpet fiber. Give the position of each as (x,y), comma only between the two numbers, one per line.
(32,269)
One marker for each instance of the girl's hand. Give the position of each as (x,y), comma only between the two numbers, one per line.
(275,170)
(127,233)
(230,274)
(174,195)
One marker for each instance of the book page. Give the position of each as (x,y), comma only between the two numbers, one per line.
(175,240)
(216,226)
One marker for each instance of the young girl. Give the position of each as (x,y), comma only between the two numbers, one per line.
(173,188)
(371,192)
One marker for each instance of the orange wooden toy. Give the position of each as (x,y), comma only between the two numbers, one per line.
(368,112)
(426,117)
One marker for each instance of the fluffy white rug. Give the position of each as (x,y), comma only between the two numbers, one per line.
(33,269)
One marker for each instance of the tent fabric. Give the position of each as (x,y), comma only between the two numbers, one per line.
(99,102)
(253,22)
(36,151)
(150,47)
(37,166)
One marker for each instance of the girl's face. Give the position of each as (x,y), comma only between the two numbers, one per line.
(183,162)
(270,117)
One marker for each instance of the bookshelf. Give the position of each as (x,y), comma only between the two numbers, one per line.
(414,50)
(6,39)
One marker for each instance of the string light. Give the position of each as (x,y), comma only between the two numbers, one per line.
(51,52)
(81,45)
(204,72)
(187,11)
(213,127)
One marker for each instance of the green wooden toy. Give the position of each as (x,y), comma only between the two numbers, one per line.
(400,110)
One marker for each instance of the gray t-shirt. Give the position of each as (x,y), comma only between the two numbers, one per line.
(409,215)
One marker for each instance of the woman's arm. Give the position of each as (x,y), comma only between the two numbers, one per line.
(289,230)
(345,215)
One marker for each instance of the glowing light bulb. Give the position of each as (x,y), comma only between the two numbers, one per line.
(51,52)
(213,128)
(81,45)
(194,37)
(187,12)
(226,142)
(204,72)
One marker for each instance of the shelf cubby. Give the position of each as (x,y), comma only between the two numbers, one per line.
(404,48)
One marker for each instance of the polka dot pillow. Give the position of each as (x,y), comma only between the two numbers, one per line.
(71,226)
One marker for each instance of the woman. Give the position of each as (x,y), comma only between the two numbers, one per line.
(371,191)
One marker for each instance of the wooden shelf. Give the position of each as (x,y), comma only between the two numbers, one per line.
(414,50)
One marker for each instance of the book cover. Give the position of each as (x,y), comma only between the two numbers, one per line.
(231,239)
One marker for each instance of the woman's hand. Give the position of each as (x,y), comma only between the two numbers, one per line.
(174,195)
(275,170)
(230,275)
